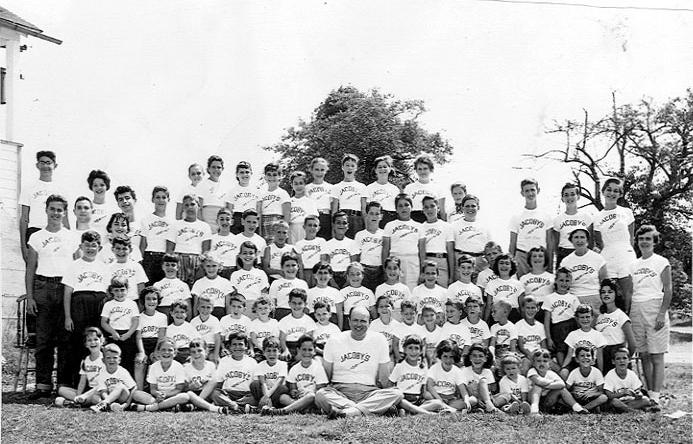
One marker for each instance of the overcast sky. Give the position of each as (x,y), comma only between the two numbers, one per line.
(142,89)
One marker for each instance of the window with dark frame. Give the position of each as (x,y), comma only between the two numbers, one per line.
(3,71)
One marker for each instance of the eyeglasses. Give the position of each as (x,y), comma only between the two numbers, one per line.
(45,162)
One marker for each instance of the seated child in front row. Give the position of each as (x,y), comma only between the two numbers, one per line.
(270,375)
(531,335)
(89,371)
(547,385)
(586,383)
(150,330)
(166,380)
(198,372)
(292,327)
(624,388)
(514,388)
(411,376)
(445,380)
(181,331)
(114,385)
(263,326)
(304,379)
(230,386)
(120,317)
(478,378)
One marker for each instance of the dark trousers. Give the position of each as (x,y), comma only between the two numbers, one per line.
(151,262)
(128,349)
(85,309)
(325,231)
(30,320)
(50,333)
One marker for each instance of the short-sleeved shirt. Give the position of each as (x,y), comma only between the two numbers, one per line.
(384,194)
(272,201)
(276,252)
(356,297)
(34,196)
(215,289)
(108,381)
(611,326)
(323,332)
(397,293)
(459,291)
(321,194)
(472,377)
(478,332)
(328,295)
(182,334)
(370,246)
(242,197)
(561,306)
(200,376)
(212,193)
(437,235)
(54,251)
(271,373)
(613,382)
(504,334)
(87,276)
(530,227)
(484,277)
(580,384)
(409,378)
(613,225)
(166,380)
(356,361)
(310,251)
(189,236)
(234,374)
(171,290)
(445,382)
(508,289)
(564,224)
(207,329)
(302,207)
(433,337)
(249,283)
(133,272)
(585,272)
(506,385)
(435,297)
(591,339)
(470,237)
(417,191)
(279,290)
(340,252)
(120,314)
(91,369)
(264,330)
(532,335)
(294,328)
(647,278)
(225,248)
(229,324)
(155,228)
(255,239)
(149,325)
(457,333)
(390,331)
(404,237)
(307,378)
(538,285)
(349,194)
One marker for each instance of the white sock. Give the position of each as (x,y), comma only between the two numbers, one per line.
(653,395)
(577,407)
(534,408)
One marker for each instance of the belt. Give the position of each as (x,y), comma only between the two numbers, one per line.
(388,212)
(370,266)
(324,211)
(155,253)
(56,279)
(352,212)
(437,255)
(469,253)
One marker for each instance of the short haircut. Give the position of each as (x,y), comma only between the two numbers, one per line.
(80,199)
(534,250)
(236,336)
(160,188)
(455,304)
(412,340)
(262,300)
(470,197)
(279,224)
(613,181)
(387,159)
(529,299)
(56,198)
(408,304)
(91,236)
(303,339)
(473,299)
(582,348)
(583,309)
(620,350)
(393,260)
(98,174)
(429,263)
(116,217)
(271,342)
(314,217)
(648,229)
(577,230)
(243,165)
(237,298)
(424,159)
(466,259)
(529,181)
(448,346)
(322,265)
(224,211)
(339,214)
(384,297)
(124,189)
(298,293)
(96,331)
(493,245)
(568,186)
(404,196)
(112,348)
(510,359)
(191,196)
(427,198)
(249,212)
(271,167)
(564,270)
(45,153)
(168,341)
(505,257)
(198,343)
(373,204)
(209,257)
(458,185)
(354,266)
(121,240)
(540,352)
(504,304)
(348,156)
(427,308)
(214,158)
(480,348)
(150,289)
(319,160)
(204,298)
(322,304)
(296,174)
(170,258)
(193,165)
(288,256)
(179,303)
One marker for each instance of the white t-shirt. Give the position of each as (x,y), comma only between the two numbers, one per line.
(212,193)
(530,227)
(504,334)
(108,381)
(101,213)
(397,293)
(349,194)
(506,385)
(404,237)
(208,329)
(532,335)
(611,326)
(356,297)
(508,289)
(294,328)
(561,306)
(87,276)
(235,375)
(581,384)
(200,376)
(256,239)
(437,235)
(478,332)
(457,333)
(356,361)
(91,369)
(459,291)
(171,290)
(470,237)
(370,246)
(276,252)
(264,329)
(189,236)
(647,278)
(383,194)
(133,272)
(432,337)
(340,252)
(310,251)
(435,297)
(166,380)
(585,272)
(154,229)
(591,339)
(307,378)
(34,196)
(229,324)
(225,248)
(538,285)
(613,225)
(302,207)
(328,295)
(54,251)
(215,289)
(417,191)
(404,330)
(472,377)
(613,382)
(564,224)
(409,378)
(249,283)
(242,197)
(390,331)
(272,373)
(120,314)
(273,201)
(321,194)
(279,290)
(323,332)
(149,325)
(445,382)
(182,334)
(484,277)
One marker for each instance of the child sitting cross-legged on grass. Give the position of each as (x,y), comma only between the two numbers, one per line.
(114,385)
(586,383)
(166,379)
(89,370)
(270,375)
(514,388)
(547,385)
(623,387)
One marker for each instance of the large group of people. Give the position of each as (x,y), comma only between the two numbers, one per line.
(346,299)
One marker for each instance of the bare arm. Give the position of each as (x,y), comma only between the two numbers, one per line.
(31,264)
(666,301)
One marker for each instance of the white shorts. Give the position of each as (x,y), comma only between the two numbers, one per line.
(643,315)
(618,259)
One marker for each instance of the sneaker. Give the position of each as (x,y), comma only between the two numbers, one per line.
(38,394)
(62,402)
(583,412)
(115,407)
(266,410)
(401,413)
(513,408)
(224,410)
(187,407)
(132,407)
(100,407)
(250,409)
(525,407)
(335,413)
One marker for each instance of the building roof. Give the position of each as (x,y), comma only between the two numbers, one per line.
(11,20)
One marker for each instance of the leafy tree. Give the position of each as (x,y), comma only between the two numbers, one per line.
(650,147)
(369,125)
